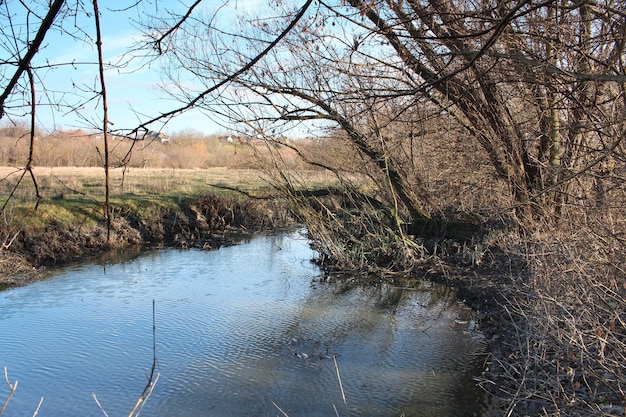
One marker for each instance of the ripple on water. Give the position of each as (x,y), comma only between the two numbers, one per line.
(238,329)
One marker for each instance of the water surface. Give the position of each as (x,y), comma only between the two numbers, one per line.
(239,331)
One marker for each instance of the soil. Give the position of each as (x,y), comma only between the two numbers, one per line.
(206,223)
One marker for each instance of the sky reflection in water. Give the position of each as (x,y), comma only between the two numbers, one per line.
(238,329)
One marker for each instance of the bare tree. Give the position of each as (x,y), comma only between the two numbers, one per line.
(538,84)
(22,83)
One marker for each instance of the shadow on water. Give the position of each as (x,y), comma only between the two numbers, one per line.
(238,330)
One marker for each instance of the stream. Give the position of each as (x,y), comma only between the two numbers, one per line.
(247,330)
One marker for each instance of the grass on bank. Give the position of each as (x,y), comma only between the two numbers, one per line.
(75,195)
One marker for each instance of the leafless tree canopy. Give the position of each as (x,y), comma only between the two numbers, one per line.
(539,85)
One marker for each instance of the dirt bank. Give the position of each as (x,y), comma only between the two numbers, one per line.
(208,222)
(555,324)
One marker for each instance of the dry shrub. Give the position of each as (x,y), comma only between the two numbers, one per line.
(13,150)
(14,268)
(354,234)
(566,352)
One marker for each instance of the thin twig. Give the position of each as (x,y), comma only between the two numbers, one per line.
(200,97)
(38,407)
(93,394)
(12,388)
(343,394)
(152,379)
(280,409)
(31,146)
(144,397)
(33,48)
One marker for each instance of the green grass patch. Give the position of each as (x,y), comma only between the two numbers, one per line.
(75,196)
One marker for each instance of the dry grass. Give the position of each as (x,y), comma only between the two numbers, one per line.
(184,150)
(140,181)
(65,181)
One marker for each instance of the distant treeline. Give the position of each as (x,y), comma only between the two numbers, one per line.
(185,149)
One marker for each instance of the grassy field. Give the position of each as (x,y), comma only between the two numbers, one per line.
(133,181)
(73,194)
(147,181)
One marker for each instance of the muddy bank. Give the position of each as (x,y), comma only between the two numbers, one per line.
(207,223)
(555,329)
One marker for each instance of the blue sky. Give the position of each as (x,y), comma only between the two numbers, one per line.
(67,70)
(133,92)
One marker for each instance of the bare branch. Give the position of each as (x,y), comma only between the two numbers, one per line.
(24,63)
(12,388)
(200,97)
(99,405)
(153,378)
(36,412)
(174,28)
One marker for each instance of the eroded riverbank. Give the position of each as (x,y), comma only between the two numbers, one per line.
(208,222)
(530,371)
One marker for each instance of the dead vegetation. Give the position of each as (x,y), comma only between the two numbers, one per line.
(551,294)
(569,317)
(187,149)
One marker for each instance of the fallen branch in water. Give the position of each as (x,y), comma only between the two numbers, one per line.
(12,388)
(343,394)
(280,409)
(93,394)
(152,379)
(38,407)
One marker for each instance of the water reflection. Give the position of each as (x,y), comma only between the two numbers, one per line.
(238,330)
